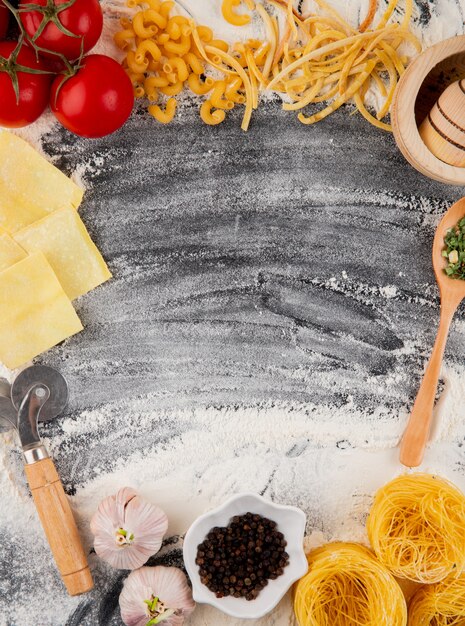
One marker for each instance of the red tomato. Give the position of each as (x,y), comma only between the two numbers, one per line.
(96,101)
(34,89)
(4,19)
(83,18)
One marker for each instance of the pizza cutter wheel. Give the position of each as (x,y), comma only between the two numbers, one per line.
(5,388)
(40,393)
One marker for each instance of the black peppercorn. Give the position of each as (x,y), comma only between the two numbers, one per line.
(238,560)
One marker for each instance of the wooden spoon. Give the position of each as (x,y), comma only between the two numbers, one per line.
(452,292)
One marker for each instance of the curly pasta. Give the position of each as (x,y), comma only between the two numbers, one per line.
(232,90)
(124,38)
(316,59)
(166,116)
(346,586)
(194,63)
(198,87)
(416,528)
(178,66)
(210,117)
(217,99)
(229,13)
(141,30)
(146,48)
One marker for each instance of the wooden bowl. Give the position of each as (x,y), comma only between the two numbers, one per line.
(416,94)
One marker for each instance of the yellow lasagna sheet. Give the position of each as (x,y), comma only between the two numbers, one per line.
(10,252)
(35,313)
(65,242)
(30,186)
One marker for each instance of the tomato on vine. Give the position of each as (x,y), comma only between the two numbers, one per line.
(67,27)
(4,19)
(24,85)
(95,100)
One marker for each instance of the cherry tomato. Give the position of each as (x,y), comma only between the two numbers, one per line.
(34,89)
(4,19)
(96,101)
(83,18)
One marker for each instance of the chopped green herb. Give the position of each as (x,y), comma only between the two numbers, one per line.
(454,251)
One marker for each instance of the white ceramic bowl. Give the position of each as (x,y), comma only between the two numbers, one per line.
(290,521)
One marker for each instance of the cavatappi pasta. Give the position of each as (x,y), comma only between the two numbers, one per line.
(163,116)
(307,59)
(228,9)
(416,528)
(346,586)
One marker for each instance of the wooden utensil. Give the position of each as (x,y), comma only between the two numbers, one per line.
(452,292)
(443,129)
(41,392)
(423,82)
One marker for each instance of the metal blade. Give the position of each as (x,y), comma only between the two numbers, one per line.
(5,388)
(28,415)
(8,415)
(48,377)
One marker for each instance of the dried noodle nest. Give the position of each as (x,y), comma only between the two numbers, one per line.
(346,586)
(442,604)
(417,528)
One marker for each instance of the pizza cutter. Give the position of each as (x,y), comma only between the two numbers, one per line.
(40,393)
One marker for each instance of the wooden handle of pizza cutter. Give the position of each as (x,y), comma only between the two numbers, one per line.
(59,525)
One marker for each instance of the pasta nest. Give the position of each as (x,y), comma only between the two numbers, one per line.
(442,604)
(417,528)
(346,586)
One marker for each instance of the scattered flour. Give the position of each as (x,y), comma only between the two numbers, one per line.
(390,291)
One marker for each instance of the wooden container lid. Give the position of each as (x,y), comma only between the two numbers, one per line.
(416,94)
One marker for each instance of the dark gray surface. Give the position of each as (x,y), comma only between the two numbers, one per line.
(223,246)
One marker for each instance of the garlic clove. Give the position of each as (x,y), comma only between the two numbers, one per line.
(106,518)
(122,500)
(151,523)
(127,529)
(169,584)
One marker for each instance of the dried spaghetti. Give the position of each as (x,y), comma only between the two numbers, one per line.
(442,604)
(346,586)
(416,528)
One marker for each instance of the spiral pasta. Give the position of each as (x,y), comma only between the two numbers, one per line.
(442,604)
(417,528)
(346,586)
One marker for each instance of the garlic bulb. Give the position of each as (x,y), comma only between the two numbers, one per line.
(156,595)
(127,529)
